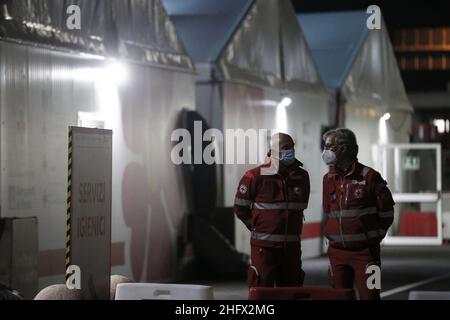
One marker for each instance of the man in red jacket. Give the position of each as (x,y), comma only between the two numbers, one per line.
(358,210)
(270,200)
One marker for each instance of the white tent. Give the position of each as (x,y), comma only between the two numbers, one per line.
(249,54)
(53,77)
(360,71)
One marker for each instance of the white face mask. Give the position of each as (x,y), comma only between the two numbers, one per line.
(329,157)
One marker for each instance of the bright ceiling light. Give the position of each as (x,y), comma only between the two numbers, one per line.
(285,102)
(386,116)
(6,15)
(116,71)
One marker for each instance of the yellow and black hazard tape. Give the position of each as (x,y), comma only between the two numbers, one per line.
(69,202)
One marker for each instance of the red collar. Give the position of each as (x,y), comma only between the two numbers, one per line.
(332,169)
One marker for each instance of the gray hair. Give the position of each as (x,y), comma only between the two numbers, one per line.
(346,137)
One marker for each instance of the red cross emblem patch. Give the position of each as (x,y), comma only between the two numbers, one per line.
(243,188)
(358,193)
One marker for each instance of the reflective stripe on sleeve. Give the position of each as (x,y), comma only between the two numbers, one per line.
(242,202)
(386,214)
(358,236)
(352,212)
(275,237)
(280,205)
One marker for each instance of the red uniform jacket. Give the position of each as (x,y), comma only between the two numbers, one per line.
(358,207)
(272,205)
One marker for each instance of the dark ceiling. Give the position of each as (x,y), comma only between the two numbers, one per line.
(397,13)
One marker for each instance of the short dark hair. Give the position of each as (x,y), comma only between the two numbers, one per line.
(346,137)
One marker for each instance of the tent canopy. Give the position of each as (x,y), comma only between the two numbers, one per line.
(334,40)
(358,61)
(206,26)
(254,41)
(136,30)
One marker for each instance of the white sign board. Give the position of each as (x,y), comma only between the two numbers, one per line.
(89,209)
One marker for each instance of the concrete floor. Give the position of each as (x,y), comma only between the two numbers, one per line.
(403,269)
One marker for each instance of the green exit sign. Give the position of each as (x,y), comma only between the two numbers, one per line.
(411,163)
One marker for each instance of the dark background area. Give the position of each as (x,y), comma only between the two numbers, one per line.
(399,14)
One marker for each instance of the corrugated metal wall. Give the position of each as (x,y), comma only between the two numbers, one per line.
(42,92)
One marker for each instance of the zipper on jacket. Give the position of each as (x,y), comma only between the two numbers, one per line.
(340,211)
(287,210)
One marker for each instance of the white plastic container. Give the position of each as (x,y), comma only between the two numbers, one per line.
(163,291)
